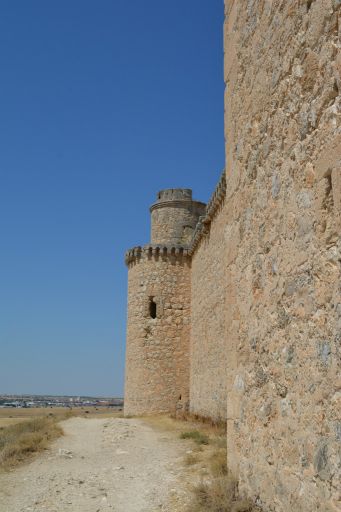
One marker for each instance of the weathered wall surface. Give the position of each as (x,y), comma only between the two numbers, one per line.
(282,264)
(209,344)
(157,355)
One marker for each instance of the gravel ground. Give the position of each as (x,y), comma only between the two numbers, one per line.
(101,465)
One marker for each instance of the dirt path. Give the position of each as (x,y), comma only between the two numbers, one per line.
(100,465)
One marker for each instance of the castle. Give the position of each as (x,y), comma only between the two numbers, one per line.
(234,308)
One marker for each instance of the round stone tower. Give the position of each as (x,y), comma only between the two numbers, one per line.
(174,216)
(158,328)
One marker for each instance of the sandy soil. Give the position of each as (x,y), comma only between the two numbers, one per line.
(101,465)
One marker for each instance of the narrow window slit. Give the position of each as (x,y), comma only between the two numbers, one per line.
(152,307)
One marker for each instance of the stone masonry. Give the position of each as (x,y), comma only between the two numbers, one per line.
(248,288)
(158,331)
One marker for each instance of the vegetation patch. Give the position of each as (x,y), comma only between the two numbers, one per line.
(215,425)
(217,490)
(219,495)
(206,463)
(197,436)
(218,465)
(21,440)
(191,459)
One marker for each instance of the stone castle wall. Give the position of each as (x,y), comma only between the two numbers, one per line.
(209,343)
(282,235)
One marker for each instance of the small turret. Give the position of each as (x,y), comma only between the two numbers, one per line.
(174,216)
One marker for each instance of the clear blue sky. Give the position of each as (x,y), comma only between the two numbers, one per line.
(102,103)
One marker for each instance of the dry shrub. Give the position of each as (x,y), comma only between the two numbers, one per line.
(219,495)
(220,442)
(214,496)
(19,441)
(191,458)
(218,462)
(196,436)
(216,425)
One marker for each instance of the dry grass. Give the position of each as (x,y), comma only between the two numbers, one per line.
(218,463)
(13,416)
(196,436)
(219,495)
(215,426)
(24,432)
(19,441)
(164,422)
(191,459)
(217,490)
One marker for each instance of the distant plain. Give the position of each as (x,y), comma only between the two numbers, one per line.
(11,416)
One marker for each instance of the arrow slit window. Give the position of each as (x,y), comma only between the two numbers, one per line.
(152,307)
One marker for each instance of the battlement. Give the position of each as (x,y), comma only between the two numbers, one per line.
(175,252)
(204,222)
(170,194)
(176,198)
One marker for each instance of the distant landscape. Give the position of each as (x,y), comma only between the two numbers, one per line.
(29,401)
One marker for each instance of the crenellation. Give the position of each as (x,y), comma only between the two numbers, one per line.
(203,226)
(164,251)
